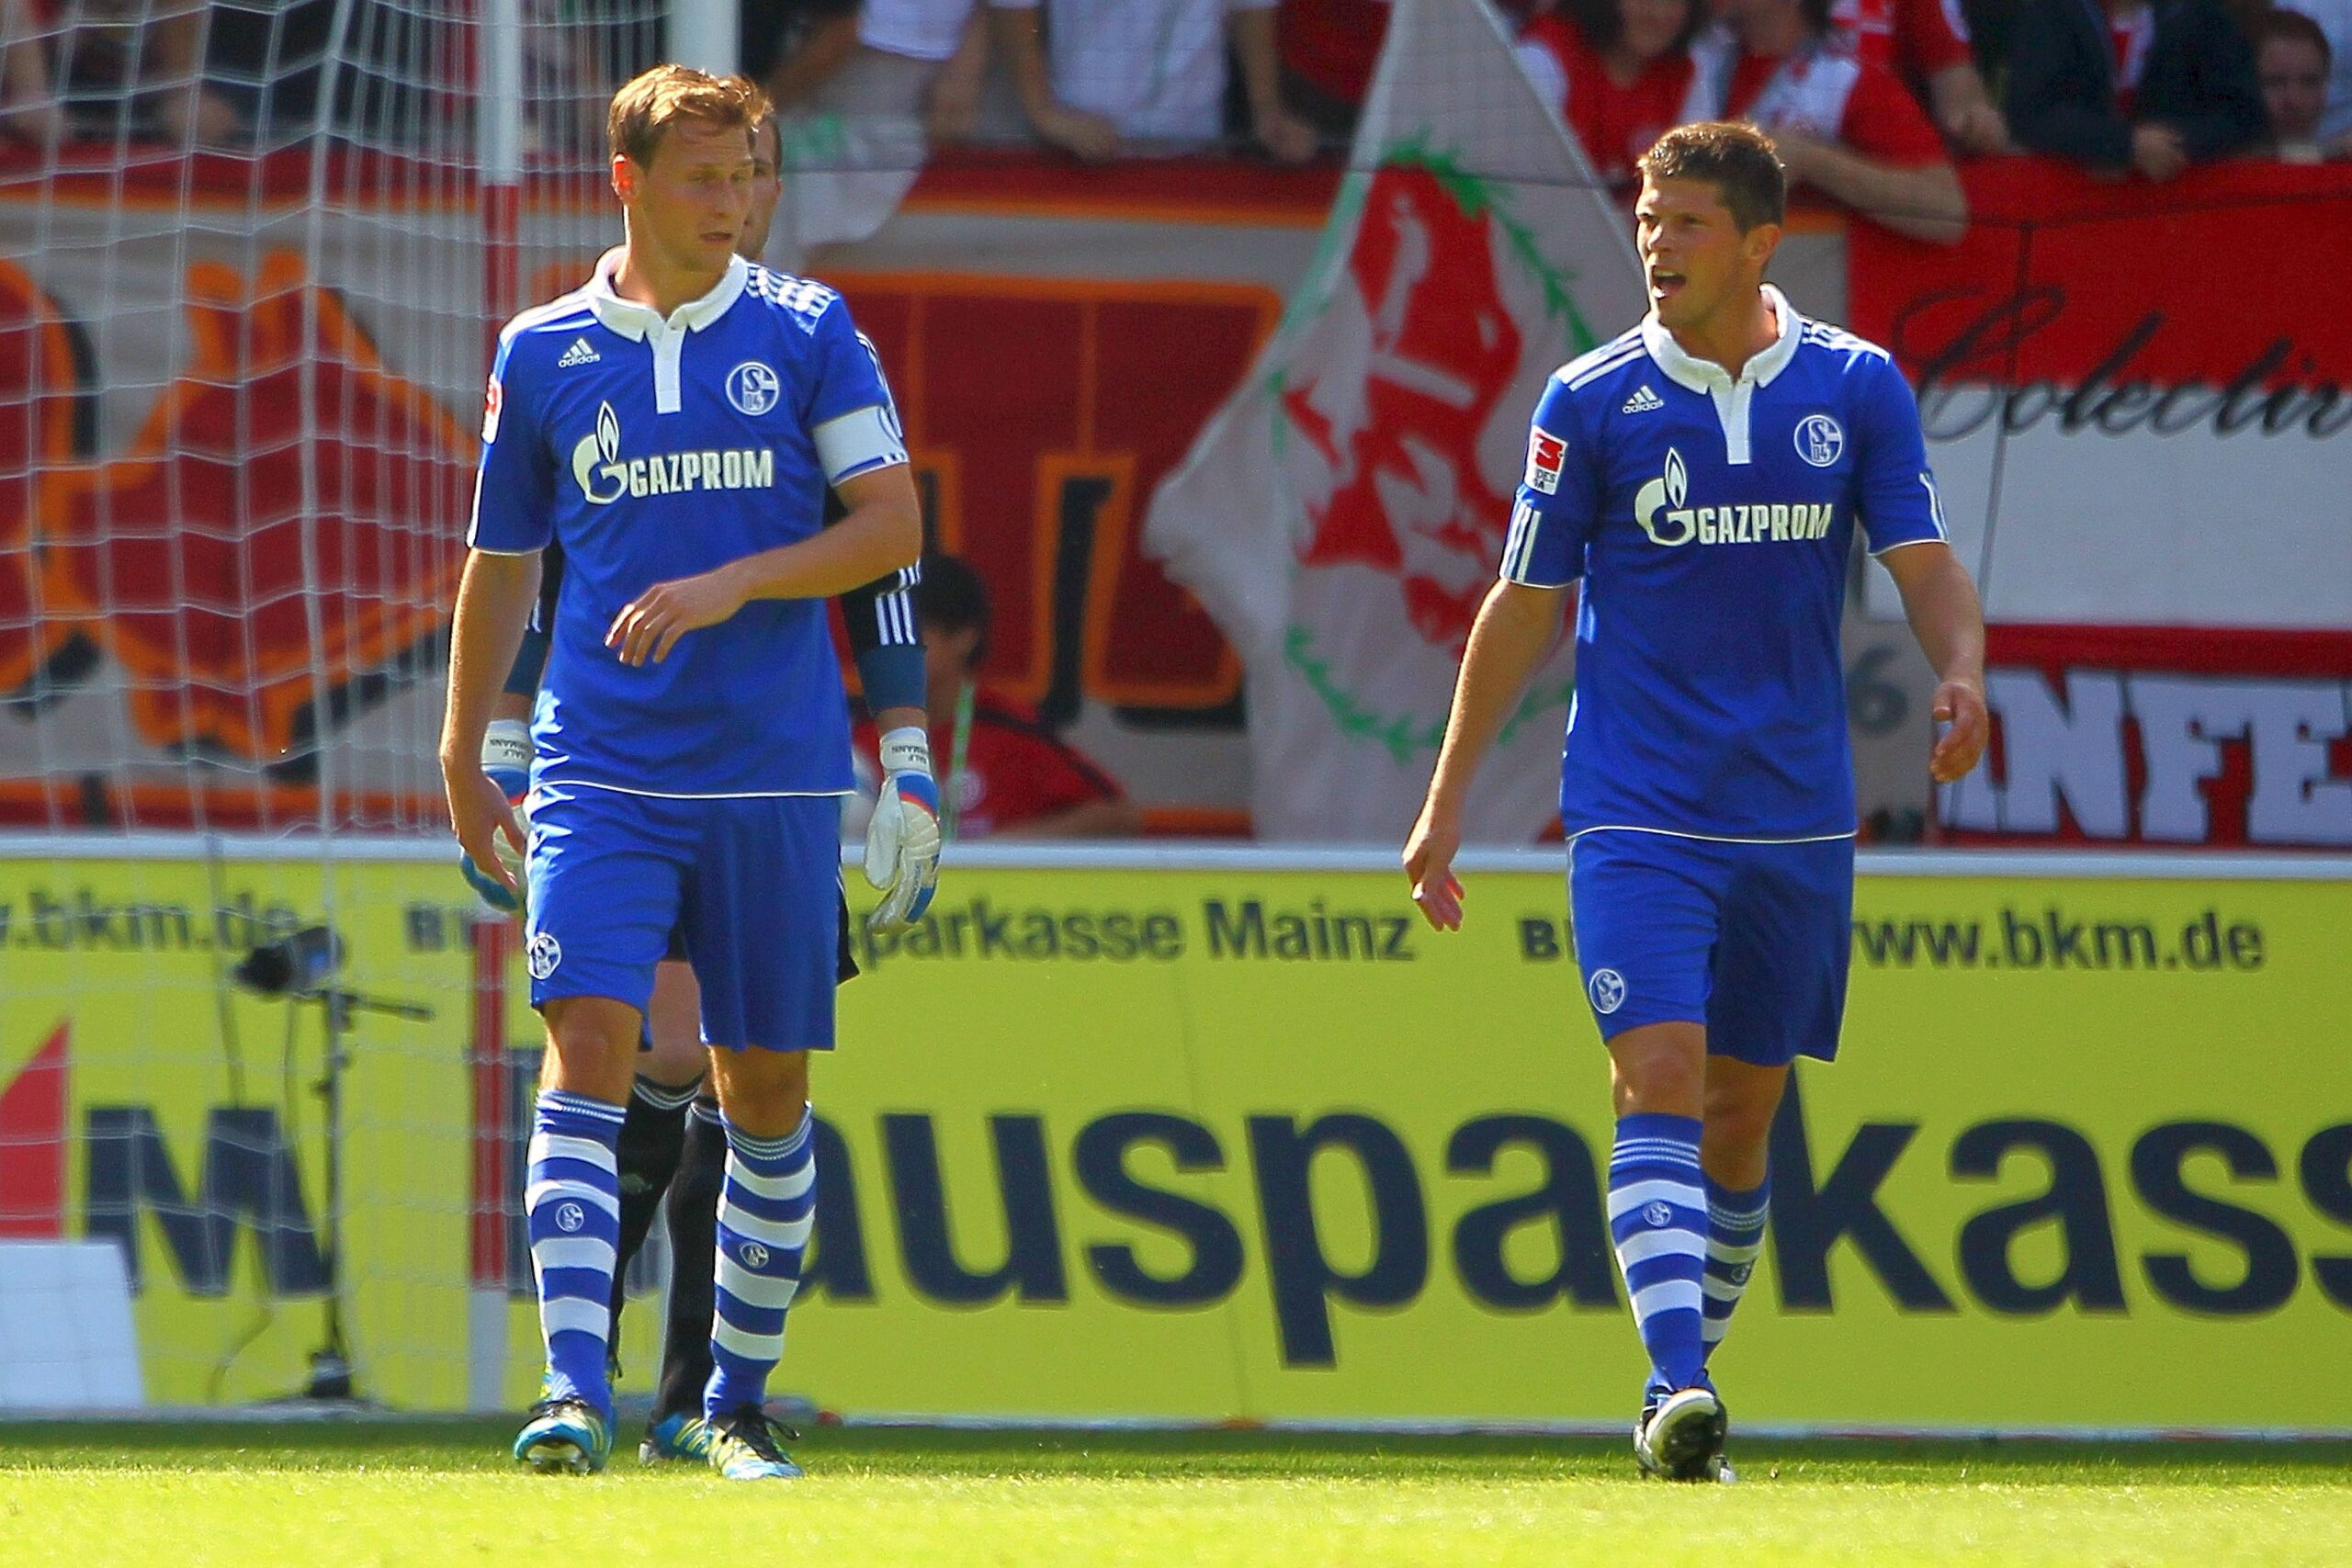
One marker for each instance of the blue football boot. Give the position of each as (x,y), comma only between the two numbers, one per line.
(743,1445)
(676,1437)
(565,1437)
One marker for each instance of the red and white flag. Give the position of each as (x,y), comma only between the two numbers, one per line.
(1342,516)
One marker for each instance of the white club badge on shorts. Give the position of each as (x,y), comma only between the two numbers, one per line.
(544,955)
(1607,990)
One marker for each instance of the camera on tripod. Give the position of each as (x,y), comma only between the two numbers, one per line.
(306,965)
(301,963)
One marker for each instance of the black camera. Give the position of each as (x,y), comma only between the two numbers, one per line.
(301,964)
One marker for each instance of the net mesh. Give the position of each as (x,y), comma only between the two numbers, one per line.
(251,277)
(248,315)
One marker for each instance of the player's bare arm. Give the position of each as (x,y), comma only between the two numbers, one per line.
(1516,627)
(494,600)
(1941,604)
(882,533)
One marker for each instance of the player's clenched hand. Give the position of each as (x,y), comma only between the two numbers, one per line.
(650,625)
(479,814)
(902,837)
(1436,839)
(1960,706)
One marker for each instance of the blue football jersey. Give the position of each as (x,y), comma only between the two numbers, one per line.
(654,449)
(1710,519)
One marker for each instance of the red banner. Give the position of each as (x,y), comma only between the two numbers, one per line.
(2138,405)
(1041,414)
(2162,736)
(2089,298)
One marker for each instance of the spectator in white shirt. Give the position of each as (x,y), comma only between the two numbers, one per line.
(885,60)
(1156,69)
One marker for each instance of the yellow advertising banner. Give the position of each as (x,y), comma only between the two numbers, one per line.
(1245,1142)
(147,1096)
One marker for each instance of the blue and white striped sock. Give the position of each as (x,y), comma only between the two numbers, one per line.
(764,1214)
(1657,1216)
(1735,1239)
(572,1203)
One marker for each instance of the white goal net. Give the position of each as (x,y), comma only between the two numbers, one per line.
(252,259)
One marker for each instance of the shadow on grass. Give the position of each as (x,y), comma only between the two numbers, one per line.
(463,1445)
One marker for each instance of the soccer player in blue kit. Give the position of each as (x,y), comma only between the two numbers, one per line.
(674,425)
(1702,475)
(673,1152)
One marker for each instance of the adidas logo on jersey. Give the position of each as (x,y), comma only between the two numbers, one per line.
(1643,401)
(581,352)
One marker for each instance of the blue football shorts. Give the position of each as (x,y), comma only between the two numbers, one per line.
(751,886)
(675,952)
(1750,939)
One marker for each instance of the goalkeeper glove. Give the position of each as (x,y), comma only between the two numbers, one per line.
(902,838)
(506,758)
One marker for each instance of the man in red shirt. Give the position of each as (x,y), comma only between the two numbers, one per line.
(1843,126)
(1003,773)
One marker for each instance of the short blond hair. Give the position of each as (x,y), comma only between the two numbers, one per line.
(644,110)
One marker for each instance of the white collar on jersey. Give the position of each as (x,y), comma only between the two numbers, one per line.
(635,321)
(1705,375)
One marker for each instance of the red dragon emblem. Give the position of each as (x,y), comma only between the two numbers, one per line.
(1398,418)
(231,616)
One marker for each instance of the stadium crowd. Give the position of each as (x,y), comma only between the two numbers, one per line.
(1871,99)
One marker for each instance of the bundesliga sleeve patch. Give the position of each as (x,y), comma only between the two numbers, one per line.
(490,401)
(1544,455)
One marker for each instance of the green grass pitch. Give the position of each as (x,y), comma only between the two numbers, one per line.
(351,1493)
